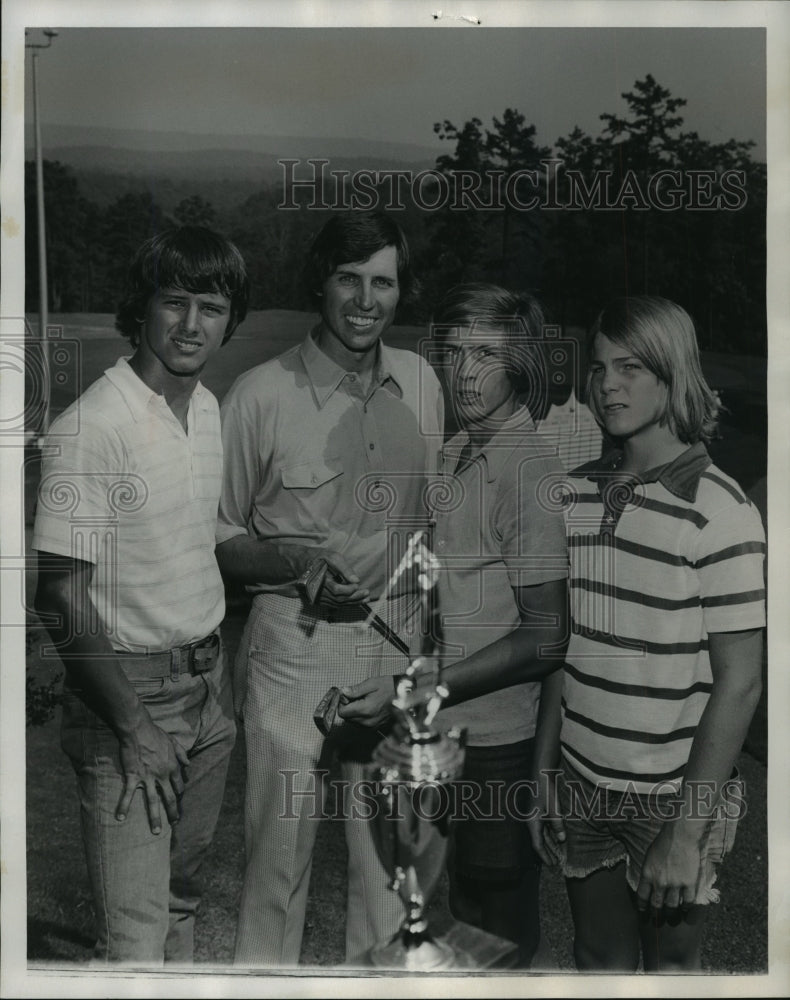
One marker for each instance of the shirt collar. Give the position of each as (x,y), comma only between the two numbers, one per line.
(495,453)
(139,397)
(326,375)
(681,476)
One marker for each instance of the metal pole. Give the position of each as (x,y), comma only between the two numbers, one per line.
(43,297)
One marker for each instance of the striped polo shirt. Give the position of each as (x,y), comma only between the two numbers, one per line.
(137,496)
(656,566)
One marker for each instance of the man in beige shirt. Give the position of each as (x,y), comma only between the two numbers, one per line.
(326,449)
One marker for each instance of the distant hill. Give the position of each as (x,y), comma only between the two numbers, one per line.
(225,170)
(207,163)
(67,136)
(104,186)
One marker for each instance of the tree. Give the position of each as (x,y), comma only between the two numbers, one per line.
(72,224)
(711,259)
(645,139)
(576,255)
(511,147)
(269,241)
(721,256)
(479,233)
(457,241)
(195,211)
(127,222)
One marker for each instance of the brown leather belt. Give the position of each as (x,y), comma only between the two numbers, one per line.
(193,658)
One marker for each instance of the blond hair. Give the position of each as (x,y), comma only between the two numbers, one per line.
(661,334)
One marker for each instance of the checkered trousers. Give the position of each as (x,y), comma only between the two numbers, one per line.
(288,659)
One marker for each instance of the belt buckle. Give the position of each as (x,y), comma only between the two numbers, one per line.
(203,655)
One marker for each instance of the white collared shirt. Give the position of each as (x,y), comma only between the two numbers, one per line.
(136,495)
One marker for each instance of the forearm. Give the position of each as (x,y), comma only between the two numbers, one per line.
(92,666)
(149,757)
(717,743)
(531,651)
(523,655)
(724,724)
(671,868)
(547,732)
(251,560)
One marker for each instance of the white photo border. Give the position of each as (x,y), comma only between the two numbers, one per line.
(15,978)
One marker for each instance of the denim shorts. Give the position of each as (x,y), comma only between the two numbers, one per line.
(604,827)
(492,799)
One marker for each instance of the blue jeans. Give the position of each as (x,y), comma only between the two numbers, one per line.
(146,887)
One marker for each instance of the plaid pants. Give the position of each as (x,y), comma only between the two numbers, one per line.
(289,657)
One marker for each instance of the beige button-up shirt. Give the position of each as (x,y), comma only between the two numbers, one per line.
(311,458)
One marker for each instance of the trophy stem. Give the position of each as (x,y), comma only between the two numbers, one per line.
(413,768)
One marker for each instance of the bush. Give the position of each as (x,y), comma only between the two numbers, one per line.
(41,700)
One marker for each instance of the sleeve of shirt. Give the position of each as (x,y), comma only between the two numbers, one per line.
(730,560)
(81,474)
(241,472)
(533,539)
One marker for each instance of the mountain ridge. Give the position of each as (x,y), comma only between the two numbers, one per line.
(64,137)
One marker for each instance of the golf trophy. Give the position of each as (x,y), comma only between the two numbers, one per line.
(413,769)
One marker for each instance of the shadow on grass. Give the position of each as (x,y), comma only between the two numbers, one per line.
(50,941)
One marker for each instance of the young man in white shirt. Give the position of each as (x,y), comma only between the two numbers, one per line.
(129,588)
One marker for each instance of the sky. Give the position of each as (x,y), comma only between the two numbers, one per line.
(393,84)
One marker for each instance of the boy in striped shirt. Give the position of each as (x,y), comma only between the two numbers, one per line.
(663,668)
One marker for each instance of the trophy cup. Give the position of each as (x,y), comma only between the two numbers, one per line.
(413,768)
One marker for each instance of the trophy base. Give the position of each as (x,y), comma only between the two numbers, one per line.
(412,952)
(468,948)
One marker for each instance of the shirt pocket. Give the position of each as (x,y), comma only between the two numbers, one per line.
(315,489)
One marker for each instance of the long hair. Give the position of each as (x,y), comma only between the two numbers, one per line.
(661,334)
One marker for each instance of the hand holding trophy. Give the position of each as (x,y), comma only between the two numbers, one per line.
(413,769)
